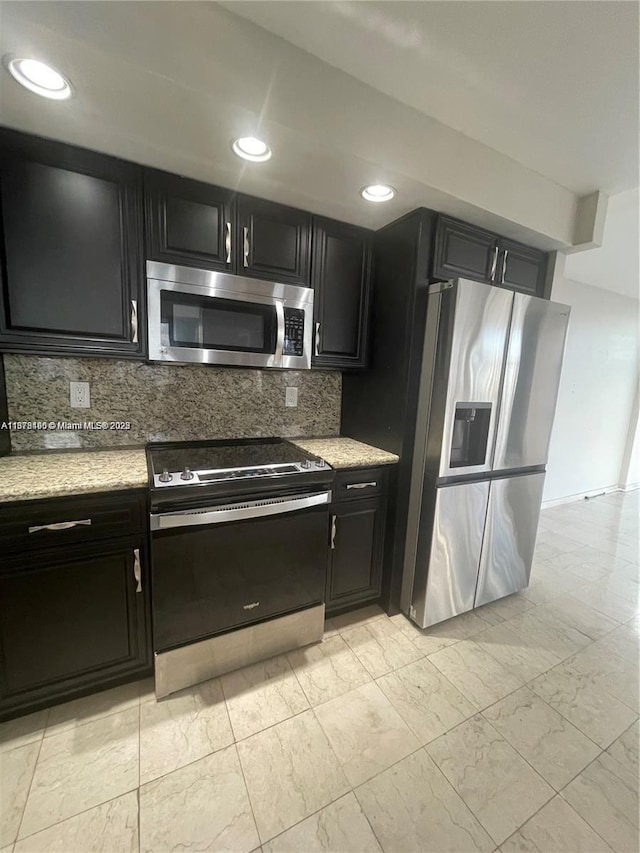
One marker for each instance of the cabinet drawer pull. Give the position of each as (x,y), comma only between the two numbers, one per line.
(137,572)
(334,528)
(361,485)
(245,236)
(317,345)
(134,321)
(227,242)
(494,264)
(504,264)
(60,525)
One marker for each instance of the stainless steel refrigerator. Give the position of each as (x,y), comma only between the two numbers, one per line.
(489,383)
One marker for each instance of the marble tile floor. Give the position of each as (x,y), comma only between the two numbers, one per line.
(513,728)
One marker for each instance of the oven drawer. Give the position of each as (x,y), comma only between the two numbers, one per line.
(226,567)
(61,521)
(358,483)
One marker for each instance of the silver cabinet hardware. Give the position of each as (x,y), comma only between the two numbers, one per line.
(361,485)
(61,525)
(137,571)
(334,527)
(317,345)
(227,243)
(504,264)
(134,321)
(245,237)
(494,264)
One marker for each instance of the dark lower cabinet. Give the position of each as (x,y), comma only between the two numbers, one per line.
(71,248)
(273,241)
(357,530)
(341,272)
(73,619)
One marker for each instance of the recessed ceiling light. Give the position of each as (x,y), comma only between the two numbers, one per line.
(378,192)
(250,148)
(39,78)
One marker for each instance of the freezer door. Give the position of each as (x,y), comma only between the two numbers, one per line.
(445,585)
(509,536)
(478,340)
(532,376)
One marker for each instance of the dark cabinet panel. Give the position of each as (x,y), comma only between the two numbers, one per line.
(357,542)
(522,268)
(341,274)
(272,241)
(187,222)
(71,249)
(463,251)
(71,619)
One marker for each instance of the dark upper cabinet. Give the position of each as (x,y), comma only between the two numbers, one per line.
(272,242)
(187,222)
(522,268)
(462,251)
(341,273)
(71,250)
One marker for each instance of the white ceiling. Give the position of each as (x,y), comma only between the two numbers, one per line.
(554,85)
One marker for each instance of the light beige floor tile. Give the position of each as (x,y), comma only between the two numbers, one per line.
(426,640)
(22,730)
(147,690)
(413,809)
(356,618)
(330,629)
(516,651)
(625,749)
(365,749)
(338,828)
(261,695)
(585,619)
(497,784)
(16,773)
(507,607)
(548,631)
(612,673)
(107,828)
(622,641)
(81,768)
(203,806)
(62,718)
(425,699)
(182,728)
(606,796)
(327,669)
(551,744)
(476,674)
(616,606)
(580,700)
(556,828)
(291,772)
(543,591)
(381,647)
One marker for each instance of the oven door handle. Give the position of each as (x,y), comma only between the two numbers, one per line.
(280,333)
(236,512)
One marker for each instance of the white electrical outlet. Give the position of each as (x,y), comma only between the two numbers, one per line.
(291,397)
(79,395)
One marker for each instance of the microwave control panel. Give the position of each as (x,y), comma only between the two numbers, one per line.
(293,331)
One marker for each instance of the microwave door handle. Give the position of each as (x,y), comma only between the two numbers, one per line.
(280,332)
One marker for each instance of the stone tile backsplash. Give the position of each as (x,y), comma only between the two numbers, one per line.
(165,402)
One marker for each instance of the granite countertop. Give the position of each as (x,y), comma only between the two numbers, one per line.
(45,475)
(346,452)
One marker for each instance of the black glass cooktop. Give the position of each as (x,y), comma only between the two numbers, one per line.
(216,455)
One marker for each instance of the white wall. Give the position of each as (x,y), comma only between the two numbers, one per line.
(590,440)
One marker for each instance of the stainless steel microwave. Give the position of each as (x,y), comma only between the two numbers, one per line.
(203,317)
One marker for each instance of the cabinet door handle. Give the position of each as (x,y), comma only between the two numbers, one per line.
(494,264)
(334,529)
(60,525)
(361,485)
(245,237)
(317,343)
(227,242)
(137,572)
(134,321)
(504,265)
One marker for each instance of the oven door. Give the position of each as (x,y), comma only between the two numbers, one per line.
(222,567)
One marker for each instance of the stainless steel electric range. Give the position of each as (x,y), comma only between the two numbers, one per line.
(239,537)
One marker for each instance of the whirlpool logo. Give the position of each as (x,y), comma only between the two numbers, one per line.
(251,606)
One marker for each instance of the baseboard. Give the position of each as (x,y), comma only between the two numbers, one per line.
(630,487)
(605,490)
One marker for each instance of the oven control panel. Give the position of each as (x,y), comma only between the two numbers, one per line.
(293,331)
